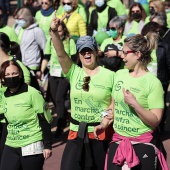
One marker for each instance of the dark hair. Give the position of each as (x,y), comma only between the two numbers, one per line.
(66,33)
(143,13)
(143,44)
(7,64)
(150,27)
(7,46)
(1,9)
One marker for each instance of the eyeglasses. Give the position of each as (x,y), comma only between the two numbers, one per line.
(113,28)
(137,11)
(86,81)
(44,3)
(68,3)
(127,52)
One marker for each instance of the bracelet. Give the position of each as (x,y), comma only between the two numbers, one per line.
(53,30)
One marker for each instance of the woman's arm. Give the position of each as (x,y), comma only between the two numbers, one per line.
(63,58)
(106,121)
(150,117)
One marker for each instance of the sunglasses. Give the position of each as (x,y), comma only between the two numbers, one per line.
(85,50)
(127,52)
(44,3)
(86,81)
(113,28)
(68,3)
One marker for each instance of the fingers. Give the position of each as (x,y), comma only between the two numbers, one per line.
(62,19)
(47,153)
(95,134)
(54,15)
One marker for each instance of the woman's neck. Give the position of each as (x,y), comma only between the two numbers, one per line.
(138,71)
(14,90)
(91,71)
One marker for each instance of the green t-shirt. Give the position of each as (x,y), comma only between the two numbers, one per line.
(149,93)
(21,112)
(2,90)
(88,106)
(10,32)
(118,5)
(168,19)
(69,47)
(44,22)
(110,41)
(102,20)
(133,28)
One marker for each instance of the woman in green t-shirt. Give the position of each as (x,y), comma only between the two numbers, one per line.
(138,109)
(9,50)
(135,20)
(58,86)
(90,95)
(28,140)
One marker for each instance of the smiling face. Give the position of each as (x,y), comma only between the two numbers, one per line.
(88,57)
(130,57)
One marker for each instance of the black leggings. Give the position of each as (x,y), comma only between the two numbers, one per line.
(58,87)
(12,159)
(146,154)
(69,159)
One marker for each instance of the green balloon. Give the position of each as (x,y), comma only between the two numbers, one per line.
(100,37)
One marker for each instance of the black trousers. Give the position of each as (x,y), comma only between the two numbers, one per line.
(3,138)
(58,88)
(146,154)
(12,159)
(69,158)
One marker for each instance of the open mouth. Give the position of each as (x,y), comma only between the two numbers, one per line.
(87,57)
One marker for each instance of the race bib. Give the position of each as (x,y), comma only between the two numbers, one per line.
(33,149)
(56,71)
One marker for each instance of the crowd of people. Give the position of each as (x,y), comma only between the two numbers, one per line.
(110,58)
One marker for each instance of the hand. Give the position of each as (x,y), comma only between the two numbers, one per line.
(38,75)
(56,21)
(98,130)
(129,98)
(47,153)
(110,53)
(109,115)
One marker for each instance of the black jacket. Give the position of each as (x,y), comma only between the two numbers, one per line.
(94,18)
(163,61)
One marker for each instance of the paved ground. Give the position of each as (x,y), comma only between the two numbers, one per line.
(53,163)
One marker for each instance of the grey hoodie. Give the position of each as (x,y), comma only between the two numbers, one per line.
(32,41)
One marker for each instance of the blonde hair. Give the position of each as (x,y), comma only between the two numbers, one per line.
(143,44)
(159,5)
